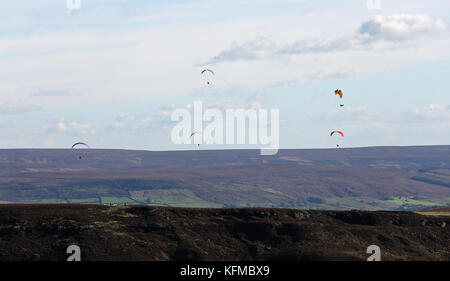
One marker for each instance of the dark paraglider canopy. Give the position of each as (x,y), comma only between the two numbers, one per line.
(81,143)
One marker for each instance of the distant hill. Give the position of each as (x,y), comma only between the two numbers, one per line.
(130,233)
(390,158)
(386,178)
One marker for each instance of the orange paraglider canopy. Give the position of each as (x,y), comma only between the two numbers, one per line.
(339,92)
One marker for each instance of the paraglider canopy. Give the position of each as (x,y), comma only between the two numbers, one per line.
(81,143)
(207,70)
(196,132)
(339,132)
(339,92)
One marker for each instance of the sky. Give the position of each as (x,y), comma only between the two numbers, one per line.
(112,72)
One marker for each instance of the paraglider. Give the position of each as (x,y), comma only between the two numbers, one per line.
(196,132)
(340,94)
(338,132)
(81,144)
(207,70)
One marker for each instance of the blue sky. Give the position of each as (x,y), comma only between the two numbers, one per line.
(112,72)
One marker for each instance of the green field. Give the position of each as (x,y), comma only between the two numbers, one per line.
(85,201)
(172,197)
(395,203)
(186,198)
(117,200)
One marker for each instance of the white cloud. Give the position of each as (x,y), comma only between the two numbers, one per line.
(259,48)
(141,123)
(399,27)
(366,115)
(125,117)
(72,127)
(305,46)
(17,108)
(432,112)
(54,93)
(257,97)
(214,90)
(346,114)
(325,75)
(392,28)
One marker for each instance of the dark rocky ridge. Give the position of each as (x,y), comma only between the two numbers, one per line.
(43,232)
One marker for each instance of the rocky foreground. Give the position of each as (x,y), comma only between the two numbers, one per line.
(43,232)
